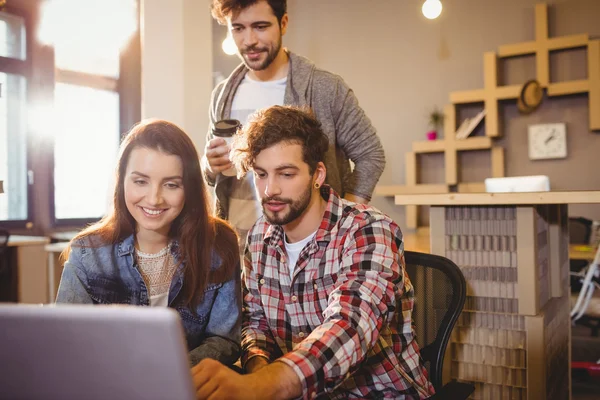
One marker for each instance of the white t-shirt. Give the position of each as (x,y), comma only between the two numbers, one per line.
(251,95)
(293,251)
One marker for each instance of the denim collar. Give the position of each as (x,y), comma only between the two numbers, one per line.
(127,247)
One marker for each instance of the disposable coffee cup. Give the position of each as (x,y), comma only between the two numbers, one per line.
(225,129)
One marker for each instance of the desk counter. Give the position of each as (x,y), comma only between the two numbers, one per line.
(513,337)
(471,199)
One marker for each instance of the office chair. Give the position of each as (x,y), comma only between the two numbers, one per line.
(440,293)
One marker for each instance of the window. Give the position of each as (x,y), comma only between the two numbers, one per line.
(87,102)
(12,36)
(13,137)
(60,132)
(85,150)
(13,152)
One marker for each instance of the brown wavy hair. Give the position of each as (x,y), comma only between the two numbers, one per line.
(197,232)
(270,126)
(221,9)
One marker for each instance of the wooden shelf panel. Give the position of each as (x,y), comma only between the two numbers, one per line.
(430,146)
(471,187)
(508,92)
(393,190)
(467,96)
(478,95)
(594,79)
(518,49)
(528,48)
(497,162)
(474,143)
(569,87)
(568,42)
(440,146)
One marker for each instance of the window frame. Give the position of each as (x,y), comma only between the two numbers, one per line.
(22,68)
(41,218)
(127,86)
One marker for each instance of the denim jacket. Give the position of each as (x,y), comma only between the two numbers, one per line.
(109,275)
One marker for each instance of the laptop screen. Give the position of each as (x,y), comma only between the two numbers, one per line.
(92,352)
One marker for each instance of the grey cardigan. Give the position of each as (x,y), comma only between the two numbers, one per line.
(350,132)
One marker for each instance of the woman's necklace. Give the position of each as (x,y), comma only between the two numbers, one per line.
(161,252)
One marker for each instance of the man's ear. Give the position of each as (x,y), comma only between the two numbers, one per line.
(320,173)
(284,24)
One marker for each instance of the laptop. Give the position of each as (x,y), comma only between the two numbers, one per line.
(92,352)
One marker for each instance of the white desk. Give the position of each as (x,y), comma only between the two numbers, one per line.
(18,240)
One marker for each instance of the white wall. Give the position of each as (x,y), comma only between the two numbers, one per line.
(177,63)
(399,64)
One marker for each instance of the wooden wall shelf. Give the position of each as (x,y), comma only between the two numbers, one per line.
(490,95)
(541,47)
(440,146)
(450,146)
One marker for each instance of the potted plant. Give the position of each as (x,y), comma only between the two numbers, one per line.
(436,121)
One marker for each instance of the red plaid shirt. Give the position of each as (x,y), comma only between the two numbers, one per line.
(338,322)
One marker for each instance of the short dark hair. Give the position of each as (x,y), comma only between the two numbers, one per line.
(277,124)
(222,8)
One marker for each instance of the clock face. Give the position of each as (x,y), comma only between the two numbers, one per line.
(547,141)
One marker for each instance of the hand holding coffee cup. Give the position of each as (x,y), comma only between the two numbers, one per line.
(217,149)
(216,154)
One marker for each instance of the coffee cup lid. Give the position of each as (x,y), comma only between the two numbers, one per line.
(226,127)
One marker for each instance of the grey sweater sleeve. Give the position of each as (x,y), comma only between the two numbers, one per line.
(358,138)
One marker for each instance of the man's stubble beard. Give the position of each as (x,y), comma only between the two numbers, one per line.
(296,208)
(271,56)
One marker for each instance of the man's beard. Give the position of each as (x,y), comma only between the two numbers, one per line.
(271,55)
(296,208)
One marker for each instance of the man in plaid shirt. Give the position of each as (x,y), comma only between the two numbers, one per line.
(327,301)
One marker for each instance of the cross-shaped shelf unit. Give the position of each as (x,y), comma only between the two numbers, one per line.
(490,95)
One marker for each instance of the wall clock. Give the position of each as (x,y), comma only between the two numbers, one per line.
(547,141)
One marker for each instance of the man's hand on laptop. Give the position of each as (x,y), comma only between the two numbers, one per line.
(214,380)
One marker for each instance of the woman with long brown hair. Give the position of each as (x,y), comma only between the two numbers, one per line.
(160,246)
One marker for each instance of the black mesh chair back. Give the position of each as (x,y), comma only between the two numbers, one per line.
(580,230)
(440,293)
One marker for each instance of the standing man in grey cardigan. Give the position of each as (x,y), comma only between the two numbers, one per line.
(271,75)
